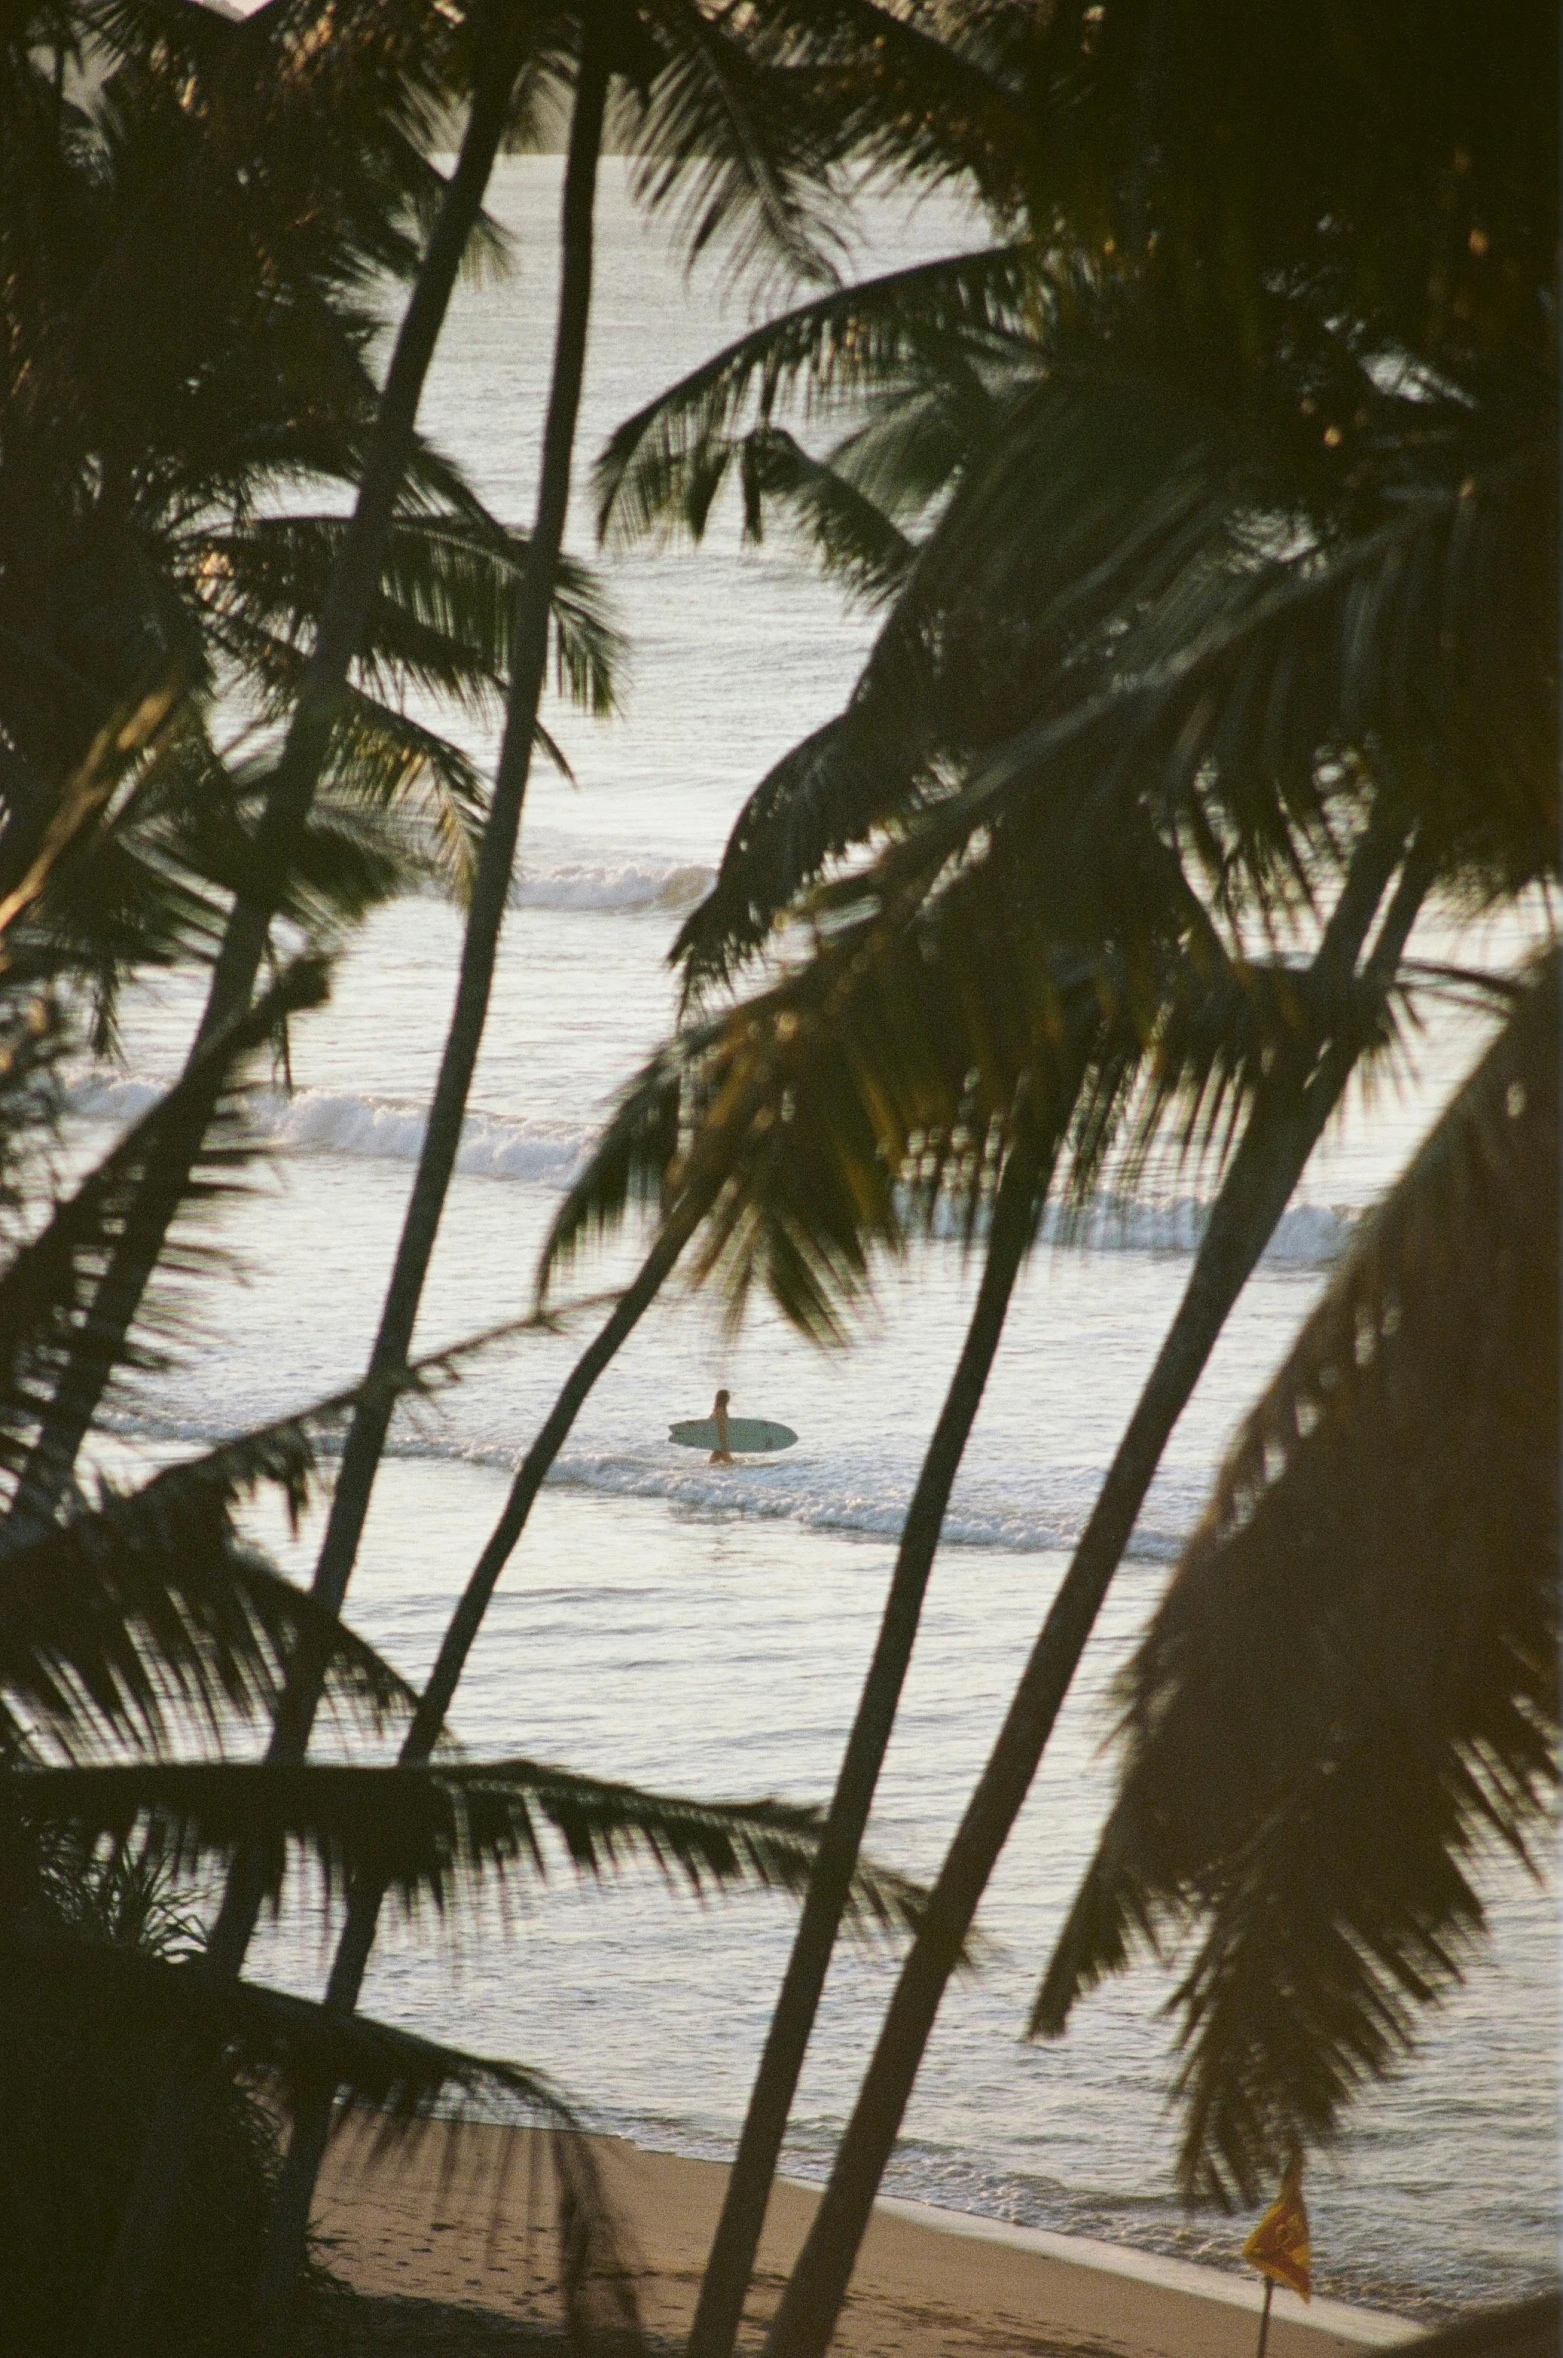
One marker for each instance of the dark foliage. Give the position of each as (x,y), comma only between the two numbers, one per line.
(1349,1693)
(79,2084)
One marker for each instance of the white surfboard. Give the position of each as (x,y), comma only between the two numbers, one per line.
(745,1433)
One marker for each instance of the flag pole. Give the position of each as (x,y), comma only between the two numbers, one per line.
(1264,2317)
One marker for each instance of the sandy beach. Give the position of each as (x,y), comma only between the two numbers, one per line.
(469,2220)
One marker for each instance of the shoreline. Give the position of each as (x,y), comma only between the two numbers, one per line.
(464,2215)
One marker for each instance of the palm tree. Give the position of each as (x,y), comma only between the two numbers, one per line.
(921,1062)
(782,213)
(164,386)
(417,590)
(1464,805)
(1350,1688)
(1180,677)
(717,116)
(1193,408)
(146,1621)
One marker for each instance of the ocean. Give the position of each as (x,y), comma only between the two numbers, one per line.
(704,1630)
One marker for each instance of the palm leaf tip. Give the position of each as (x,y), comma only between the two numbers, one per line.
(152,1613)
(289,2040)
(1348,1697)
(630,1164)
(1098,1935)
(442,1834)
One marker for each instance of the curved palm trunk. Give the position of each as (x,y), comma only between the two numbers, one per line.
(312,2108)
(47,1472)
(842,1837)
(420,1227)
(147,2217)
(1281,1134)
(719,2311)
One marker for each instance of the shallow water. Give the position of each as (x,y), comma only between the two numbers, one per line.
(704,1629)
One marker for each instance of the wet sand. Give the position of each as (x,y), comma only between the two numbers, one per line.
(469,2219)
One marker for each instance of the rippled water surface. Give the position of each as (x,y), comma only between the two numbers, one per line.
(705,1629)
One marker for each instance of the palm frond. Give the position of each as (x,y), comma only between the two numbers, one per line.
(921,92)
(878,1082)
(722,135)
(285,2039)
(855,541)
(138,889)
(151,1613)
(1349,1692)
(1237,690)
(987,628)
(442,618)
(398,805)
(150,1609)
(47,1287)
(440,1834)
(827,354)
(826,794)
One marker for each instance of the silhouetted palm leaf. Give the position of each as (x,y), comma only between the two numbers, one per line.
(150,1609)
(153,1613)
(1349,1691)
(46,1287)
(440,1834)
(189,255)
(441,620)
(829,355)
(283,2037)
(877,1084)
(1163,635)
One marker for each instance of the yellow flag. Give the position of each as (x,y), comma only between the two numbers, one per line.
(1278,2246)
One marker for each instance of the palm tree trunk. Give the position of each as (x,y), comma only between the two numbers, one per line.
(146,2220)
(490,892)
(46,1475)
(843,1832)
(719,2312)
(312,2107)
(1281,1134)
(491,886)
(701,1184)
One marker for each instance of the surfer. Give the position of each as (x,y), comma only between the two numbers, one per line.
(721,1455)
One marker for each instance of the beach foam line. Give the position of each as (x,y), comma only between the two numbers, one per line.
(828,1497)
(379,1129)
(769,1491)
(1371,2328)
(497,1146)
(1306,1235)
(616,887)
(460,2220)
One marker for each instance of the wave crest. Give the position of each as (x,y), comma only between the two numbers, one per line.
(627,886)
(326,1121)
(497,1146)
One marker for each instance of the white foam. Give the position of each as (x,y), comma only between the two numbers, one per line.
(828,1497)
(495,1146)
(1018,1517)
(626,886)
(1364,2328)
(325,1121)
(1305,1236)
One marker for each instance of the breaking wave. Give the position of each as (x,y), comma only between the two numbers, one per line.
(818,1488)
(627,885)
(539,1154)
(326,1121)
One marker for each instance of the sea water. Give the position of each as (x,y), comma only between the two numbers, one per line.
(704,1630)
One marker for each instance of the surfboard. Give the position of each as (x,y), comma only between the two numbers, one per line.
(746,1433)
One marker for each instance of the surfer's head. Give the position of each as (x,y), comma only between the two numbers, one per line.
(722,1399)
